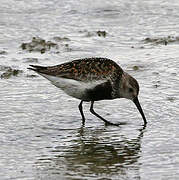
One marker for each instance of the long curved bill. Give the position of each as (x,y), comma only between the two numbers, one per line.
(136,102)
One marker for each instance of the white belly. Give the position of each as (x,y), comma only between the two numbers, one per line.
(72,87)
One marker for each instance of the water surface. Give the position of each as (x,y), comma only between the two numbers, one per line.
(41,135)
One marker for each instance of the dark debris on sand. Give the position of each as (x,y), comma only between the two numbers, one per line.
(2,52)
(39,45)
(61,39)
(162,40)
(98,33)
(9,72)
(101,33)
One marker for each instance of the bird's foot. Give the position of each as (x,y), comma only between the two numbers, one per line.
(107,123)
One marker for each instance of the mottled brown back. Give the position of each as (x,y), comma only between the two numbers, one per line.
(84,69)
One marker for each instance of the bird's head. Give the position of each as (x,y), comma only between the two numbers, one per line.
(129,89)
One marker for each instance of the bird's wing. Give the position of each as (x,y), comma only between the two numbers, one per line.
(88,69)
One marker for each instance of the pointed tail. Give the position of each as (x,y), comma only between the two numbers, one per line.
(36,68)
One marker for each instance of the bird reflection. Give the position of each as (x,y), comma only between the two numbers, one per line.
(101,155)
(99,152)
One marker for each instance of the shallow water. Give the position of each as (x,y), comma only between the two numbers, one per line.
(41,135)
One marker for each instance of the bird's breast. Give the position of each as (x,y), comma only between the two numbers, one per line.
(101,91)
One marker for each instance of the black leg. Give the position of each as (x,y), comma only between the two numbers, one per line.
(81,111)
(93,112)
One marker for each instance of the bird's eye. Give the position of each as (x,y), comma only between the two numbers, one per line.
(130,90)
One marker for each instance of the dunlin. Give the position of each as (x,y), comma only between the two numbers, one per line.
(92,79)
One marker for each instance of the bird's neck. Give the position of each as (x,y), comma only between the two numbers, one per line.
(123,85)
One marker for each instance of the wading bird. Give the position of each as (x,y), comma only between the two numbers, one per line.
(92,79)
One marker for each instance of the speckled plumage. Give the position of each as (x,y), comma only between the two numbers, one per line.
(88,69)
(91,79)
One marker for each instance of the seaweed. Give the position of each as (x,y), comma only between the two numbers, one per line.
(39,45)
(9,72)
